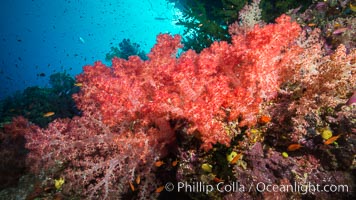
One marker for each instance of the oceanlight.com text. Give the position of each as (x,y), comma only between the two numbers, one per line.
(222,187)
(301,188)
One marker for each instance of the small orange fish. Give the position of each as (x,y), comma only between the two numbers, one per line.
(78,84)
(236,158)
(174,163)
(294,147)
(48,189)
(264,119)
(332,139)
(311,24)
(217,180)
(138,179)
(159,163)
(159,189)
(132,187)
(48,114)
(337,25)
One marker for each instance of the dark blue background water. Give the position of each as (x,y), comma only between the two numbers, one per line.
(42,36)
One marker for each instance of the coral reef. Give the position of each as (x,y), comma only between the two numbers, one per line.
(271,107)
(207,21)
(125,50)
(268,167)
(12,151)
(335,19)
(34,102)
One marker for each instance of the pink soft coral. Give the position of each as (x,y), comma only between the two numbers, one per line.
(98,161)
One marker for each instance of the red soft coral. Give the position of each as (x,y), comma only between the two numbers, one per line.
(222,83)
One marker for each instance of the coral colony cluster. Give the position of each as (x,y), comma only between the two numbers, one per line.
(268,108)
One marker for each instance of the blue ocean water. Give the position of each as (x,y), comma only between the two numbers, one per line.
(40,37)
